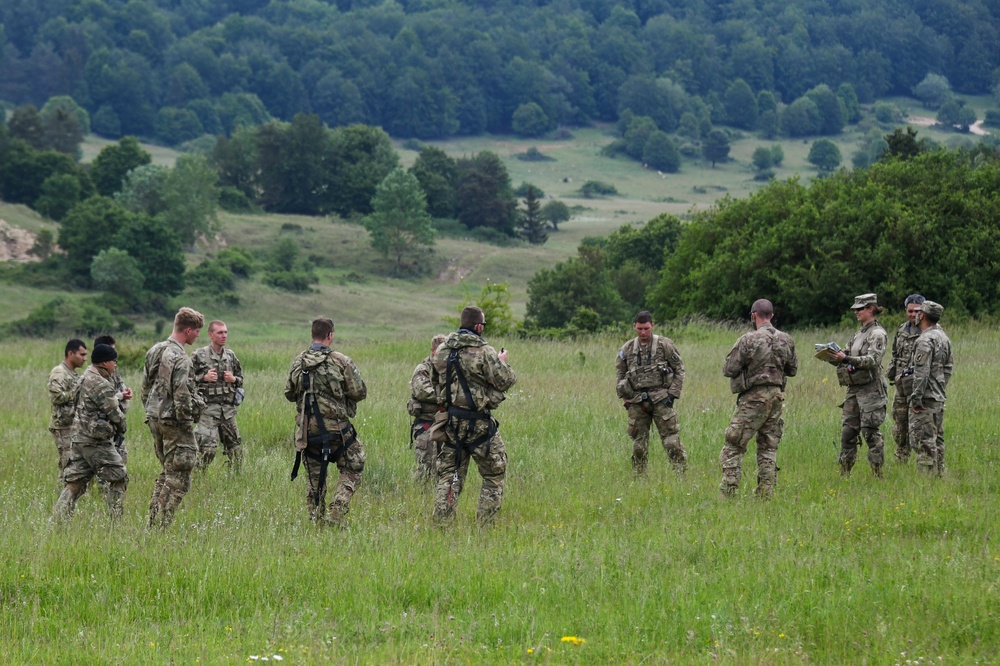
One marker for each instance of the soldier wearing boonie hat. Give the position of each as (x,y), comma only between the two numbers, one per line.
(932,368)
(859,368)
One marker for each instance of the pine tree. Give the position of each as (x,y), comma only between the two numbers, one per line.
(532,224)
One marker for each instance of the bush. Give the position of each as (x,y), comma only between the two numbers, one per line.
(69,317)
(596,188)
(235,201)
(533,155)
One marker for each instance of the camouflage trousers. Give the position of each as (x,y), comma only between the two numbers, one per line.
(927,437)
(861,423)
(425,451)
(86,461)
(350,464)
(901,421)
(177,452)
(218,422)
(452,467)
(640,417)
(122,450)
(758,412)
(63,445)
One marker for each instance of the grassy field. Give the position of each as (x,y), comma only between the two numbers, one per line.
(639,571)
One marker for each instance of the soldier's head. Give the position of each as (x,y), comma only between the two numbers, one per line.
(912,305)
(105,340)
(761,312)
(322,330)
(643,325)
(930,313)
(105,356)
(473,319)
(436,341)
(218,333)
(187,325)
(866,308)
(75,354)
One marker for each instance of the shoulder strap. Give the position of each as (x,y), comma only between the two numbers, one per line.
(455,367)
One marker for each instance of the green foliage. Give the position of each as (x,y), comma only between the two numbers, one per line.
(174,126)
(287,269)
(114,162)
(362,157)
(484,197)
(530,120)
(89,227)
(494,300)
(68,317)
(555,212)
(762,158)
(741,105)
(437,173)
(532,154)
(556,294)
(830,108)
(848,97)
(157,249)
(801,118)
(532,226)
(992,118)
(933,91)
(716,148)
(399,224)
(825,155)
(924,221)
(661,153)
(59,193)
(954,114)
(888,113)
(190,198)
(115,272)
(596,188)
(44,242)
(903,144)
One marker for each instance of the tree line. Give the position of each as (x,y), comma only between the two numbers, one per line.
(919,219)
(176,71)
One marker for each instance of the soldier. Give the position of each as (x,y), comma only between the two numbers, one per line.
(422,406)
(859,368)
(124,395)
(932,368)
(326,387)
(220,383)
(470,379)
(758,366)
(650,377)
(63,382)
(97,420)
(172,406)
(900,374)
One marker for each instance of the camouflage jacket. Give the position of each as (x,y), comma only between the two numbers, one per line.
(334,381)
(119,384)
(902,351)
(932,366)
(219,391)
(764,357)
(863,364)
(656,369)
(423,398)
(98,416)
(487,376)
(63,384)
(168,390)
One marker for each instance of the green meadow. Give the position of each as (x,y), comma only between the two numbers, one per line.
(637,570)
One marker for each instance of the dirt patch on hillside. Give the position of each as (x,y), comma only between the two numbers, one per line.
(454,272)
(923,121)
(15,243)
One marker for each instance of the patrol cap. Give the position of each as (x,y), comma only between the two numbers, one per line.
(103,353)
(864,300)
(932,309)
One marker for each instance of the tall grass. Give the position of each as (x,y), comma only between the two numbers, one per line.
(651,570)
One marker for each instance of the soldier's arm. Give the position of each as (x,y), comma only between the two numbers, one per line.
(105,397)
(890,371)
(238,371)
(199,366)
(354,385)
(421,386)
(498,373)
(291,389)
(949,364)
(921,371)
(734,360)
(62,389)
(877,343)
(792,364)
(180,381)
(677,365)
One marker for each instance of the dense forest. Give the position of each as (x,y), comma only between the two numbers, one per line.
(175,70)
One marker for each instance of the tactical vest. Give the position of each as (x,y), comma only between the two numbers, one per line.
(644,371)
(761,374)
(220,391)
(848,375)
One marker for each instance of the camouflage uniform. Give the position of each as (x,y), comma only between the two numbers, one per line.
(650,378)
(758,367)
(422,406)
(864,406)
(63,385)
(98,419)
(932,368)
(119,442)
(335,387)
(172,406)
(471,429)
(218,420)
(899,373)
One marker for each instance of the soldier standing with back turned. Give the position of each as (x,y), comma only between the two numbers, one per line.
(422,406)
(650,378)
(758,367)
(932,368)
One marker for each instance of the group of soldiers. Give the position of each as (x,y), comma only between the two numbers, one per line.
(650,376)
(191,405)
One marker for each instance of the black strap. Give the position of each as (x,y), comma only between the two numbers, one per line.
(419,424)
(463,443)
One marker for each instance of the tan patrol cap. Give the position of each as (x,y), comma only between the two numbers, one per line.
(934,310)
(864,300)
